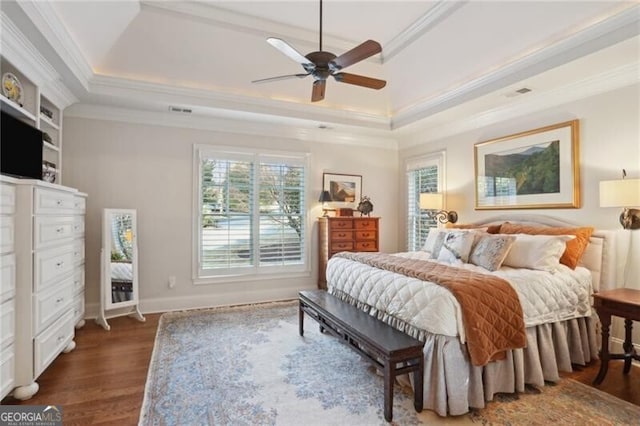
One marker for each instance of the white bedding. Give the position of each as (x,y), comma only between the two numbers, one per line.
(545,297)
(121,271)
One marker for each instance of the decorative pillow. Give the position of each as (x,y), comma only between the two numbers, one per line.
(456,246)
(490,250)
(575,247)
(431,239)
(490,229)
(541,252)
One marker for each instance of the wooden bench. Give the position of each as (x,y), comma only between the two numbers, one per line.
(376,341)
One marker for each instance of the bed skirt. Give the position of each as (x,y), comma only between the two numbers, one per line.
(452,385)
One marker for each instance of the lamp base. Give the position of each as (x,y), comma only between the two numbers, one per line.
(630,219)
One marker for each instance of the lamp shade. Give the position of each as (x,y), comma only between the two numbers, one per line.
(325,196)
(431,201)
(620,193)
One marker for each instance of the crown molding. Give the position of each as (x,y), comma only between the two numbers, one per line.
(434,16)
(624,76)
(58,93)
(166,95)
(602,34)
(17,49)
(297,130)
(45,18)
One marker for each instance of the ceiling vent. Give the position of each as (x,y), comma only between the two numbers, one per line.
(179,109)
(518,92)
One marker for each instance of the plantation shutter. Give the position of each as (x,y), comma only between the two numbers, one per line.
(423,175)
(251,212)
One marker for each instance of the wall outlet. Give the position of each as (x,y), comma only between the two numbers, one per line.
(172,281)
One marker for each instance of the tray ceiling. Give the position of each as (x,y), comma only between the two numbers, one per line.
(437,55)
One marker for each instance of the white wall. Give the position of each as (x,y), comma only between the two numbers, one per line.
(149,168)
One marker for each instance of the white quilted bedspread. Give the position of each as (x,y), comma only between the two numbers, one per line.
(545,297)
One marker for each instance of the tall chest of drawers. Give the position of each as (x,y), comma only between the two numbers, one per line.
(50,256)
(338,234)
(7,285)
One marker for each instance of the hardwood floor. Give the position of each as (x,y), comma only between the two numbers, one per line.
(102,381)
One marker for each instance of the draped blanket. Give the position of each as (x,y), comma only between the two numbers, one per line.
(491,311)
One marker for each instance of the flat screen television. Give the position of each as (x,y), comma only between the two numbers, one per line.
(21,148)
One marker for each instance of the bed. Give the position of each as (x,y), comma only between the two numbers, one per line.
(559,324)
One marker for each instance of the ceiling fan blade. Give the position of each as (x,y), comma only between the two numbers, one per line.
(286,48)
(360,80)
(280,77)
(318,90)
(357,54)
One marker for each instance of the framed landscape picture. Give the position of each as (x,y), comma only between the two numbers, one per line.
(537,169)
(345,190)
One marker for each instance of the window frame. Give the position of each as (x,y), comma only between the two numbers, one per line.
(416,163)
(235,274)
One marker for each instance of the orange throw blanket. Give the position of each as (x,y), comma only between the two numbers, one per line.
(491,311)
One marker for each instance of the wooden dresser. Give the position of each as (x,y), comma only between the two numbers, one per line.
(345,234)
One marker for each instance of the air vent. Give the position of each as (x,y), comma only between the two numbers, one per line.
(523,90)
(180,109)
(518,92)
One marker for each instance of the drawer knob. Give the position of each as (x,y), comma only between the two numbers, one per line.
(59,264)
(60,338)
(60,230)
(59,299)
(58,202)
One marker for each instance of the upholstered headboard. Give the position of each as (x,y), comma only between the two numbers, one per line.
(599,256)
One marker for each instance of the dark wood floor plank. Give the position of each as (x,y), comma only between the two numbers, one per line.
(102,381)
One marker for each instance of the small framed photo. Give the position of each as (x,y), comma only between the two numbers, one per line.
(536,169)
(345,190)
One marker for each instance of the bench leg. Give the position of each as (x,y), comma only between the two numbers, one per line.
(389,376)
(418,381)
(300,319)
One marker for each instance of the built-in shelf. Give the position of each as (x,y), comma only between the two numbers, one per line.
(15,109)
(48,122)
(50,146)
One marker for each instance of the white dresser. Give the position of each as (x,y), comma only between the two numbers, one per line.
(49,248)
(7,285)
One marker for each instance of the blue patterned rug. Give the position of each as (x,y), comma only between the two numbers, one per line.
(248,366)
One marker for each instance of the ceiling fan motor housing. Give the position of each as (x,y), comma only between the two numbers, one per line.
(322,69)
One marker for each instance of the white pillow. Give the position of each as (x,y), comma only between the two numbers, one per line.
(541,252)
(456,246)
(431,239)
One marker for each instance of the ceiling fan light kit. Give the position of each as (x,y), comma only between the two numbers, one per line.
(321,65)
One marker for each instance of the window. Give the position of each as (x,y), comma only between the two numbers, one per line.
(251,212)
(424,174)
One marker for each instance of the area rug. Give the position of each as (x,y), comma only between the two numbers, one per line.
(248,366)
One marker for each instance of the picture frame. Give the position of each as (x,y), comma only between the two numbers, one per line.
(535,169)
(345,190)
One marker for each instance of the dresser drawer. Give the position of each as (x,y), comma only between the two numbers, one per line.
(48,201)
(78,307)
(342,246)
(48,344)
(365,224)
(53,264)
(78,226)
(7,276)
(340,224)
(50,230)
(341,235)
(7,199)
(48,305)
(366,246)
(7,370)
(78,252)
(7,322)
(7,234)
(366,235)
(79,204)
(78,280)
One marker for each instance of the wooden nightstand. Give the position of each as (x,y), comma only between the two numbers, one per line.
(621,302)
(338,234)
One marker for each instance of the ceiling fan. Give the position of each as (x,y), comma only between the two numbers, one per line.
(320,65)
